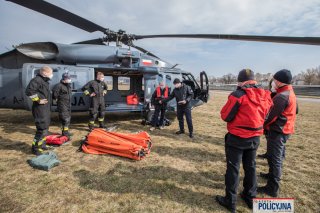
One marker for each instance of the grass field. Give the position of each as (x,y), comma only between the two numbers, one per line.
(180,174)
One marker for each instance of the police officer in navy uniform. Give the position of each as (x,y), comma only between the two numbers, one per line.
(39,92)
(183,94)
(161,93)
(96,89)
(62,93)
(244,112)
(279,125)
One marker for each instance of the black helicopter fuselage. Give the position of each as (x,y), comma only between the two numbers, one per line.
(126,72)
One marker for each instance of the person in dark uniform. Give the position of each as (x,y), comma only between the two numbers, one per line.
(62,94)
(96,89)
(244,112)
(39,92)
(161,92)
(183,94)
(278,126)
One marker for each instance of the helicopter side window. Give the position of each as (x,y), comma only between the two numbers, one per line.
(124,83)
(109,81)
(168,81)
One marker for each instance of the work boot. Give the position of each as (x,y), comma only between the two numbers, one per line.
(264,175)
(191,135)
(67,134)
(223,202)
(247,200)
(265,190)
(91,126)
(102,125)
(43,145)
(180,132)
(265,155)
(36,149)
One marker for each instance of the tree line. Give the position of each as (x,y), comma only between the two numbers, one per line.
(309,77)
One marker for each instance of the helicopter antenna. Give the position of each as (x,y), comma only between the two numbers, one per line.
(174,66)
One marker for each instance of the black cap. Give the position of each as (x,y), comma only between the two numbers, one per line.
(65,76)
(245,75)
(176,81)
(284,76)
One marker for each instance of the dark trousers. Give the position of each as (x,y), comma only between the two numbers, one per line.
(41,114)
(181,111)
(64,109)
(97,108)
(240,149)
(275,155)
(159,110)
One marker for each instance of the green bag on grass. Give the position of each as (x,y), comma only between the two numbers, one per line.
(45,161)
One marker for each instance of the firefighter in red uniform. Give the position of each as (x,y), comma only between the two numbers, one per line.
(159,94)
(279,125)
(244,112)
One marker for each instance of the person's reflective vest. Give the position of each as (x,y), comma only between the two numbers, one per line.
(166,92)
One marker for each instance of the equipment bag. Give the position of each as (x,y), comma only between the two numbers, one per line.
(133,99)
(134,146)
(45,161)
(56,139)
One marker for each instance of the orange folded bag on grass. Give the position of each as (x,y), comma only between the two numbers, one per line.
(133,145)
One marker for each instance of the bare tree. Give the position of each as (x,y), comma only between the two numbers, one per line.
(310,76)
(229,79)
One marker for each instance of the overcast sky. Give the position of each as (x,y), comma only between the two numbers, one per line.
(254,17)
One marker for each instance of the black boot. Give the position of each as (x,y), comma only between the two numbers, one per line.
(223,202)
(191,135)
(267,191)
(247,200)
(102,125)
(43,145)
(180,132)
(36,149)
(264,175)
(265,155)
(67,134)
(91,126)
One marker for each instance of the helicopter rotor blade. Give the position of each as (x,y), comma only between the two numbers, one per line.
(274,39)
(98,41)
(60,14)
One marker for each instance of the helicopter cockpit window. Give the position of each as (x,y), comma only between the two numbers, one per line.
(123,83)
(159,78)
(109,81)
(168,81)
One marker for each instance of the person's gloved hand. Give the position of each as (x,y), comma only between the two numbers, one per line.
(43,101)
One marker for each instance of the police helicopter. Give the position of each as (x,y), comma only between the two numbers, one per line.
(128,70)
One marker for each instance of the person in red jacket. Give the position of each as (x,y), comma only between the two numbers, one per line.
(279,125)
(244,112)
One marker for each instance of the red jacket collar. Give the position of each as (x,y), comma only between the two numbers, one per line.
(284,88)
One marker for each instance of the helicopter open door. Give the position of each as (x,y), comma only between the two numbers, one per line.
(201,92)
(204,87)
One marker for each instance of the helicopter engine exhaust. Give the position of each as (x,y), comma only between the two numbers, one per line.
(39,50)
